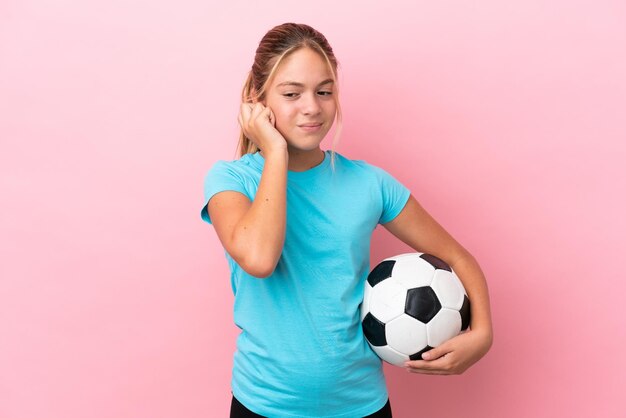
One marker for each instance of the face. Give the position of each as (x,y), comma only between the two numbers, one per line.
(301,97)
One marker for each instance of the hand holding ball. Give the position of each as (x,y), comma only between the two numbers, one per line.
(412,303)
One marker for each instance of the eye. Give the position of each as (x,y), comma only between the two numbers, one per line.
(325,93)
(290,95)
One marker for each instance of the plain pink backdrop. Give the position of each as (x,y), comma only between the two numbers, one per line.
(505,119)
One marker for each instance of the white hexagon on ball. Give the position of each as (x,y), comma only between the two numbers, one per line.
(365,305)
(445,325)
(406,334)
(413,272)
(390,355)
(387,300)
(449,289)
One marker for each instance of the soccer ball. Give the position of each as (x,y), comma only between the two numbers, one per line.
(412,303)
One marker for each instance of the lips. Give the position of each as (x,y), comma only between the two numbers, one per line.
(310,125)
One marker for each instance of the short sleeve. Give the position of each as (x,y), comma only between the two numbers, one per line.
(221,177)
(394,195)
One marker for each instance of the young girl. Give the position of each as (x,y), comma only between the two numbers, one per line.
(295,222)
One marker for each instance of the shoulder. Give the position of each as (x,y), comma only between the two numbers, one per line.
(351,164)
(239,175)
(232,168)
(368,173)
(362,167)
(238,164)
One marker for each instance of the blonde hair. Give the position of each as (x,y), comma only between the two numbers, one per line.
(275,46)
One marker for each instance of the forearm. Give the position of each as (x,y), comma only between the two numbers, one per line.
(261,231)
(473,279)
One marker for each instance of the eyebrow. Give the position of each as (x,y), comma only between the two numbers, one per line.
(295,83)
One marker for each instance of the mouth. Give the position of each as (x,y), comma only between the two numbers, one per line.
(311,127)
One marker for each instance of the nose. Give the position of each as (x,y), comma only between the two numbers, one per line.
(311,105)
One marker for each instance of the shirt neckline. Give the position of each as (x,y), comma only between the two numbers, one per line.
(259,162)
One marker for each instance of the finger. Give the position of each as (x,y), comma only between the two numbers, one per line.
(244,113)
(442,362)
(264,115)
(267,114)
(429,372)
(423,364)
(424,370)
(272,118)
(436,352)
(257,109)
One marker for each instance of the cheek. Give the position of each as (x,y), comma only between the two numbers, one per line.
(331,108)
(284,126)
(283,114)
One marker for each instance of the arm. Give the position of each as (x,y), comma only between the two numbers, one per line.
(253,233)
(416,228)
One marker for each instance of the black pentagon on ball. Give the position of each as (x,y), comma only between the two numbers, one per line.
(418,355)
(381,272)
(465,313)
(374,330)
(422,303)
(436,262)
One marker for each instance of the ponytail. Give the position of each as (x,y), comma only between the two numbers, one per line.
(245,145)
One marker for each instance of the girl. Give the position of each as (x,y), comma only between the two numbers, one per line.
(295,222)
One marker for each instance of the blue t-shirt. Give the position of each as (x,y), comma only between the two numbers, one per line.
(301,351)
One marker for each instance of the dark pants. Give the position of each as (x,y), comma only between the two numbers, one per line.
(237,410)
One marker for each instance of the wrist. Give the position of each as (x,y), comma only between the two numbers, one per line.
(277,151)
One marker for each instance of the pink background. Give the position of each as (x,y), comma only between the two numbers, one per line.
(505,119)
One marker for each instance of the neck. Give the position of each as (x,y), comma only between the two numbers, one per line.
(303,160)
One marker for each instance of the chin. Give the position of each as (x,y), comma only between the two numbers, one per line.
(304,147)
(306,143)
